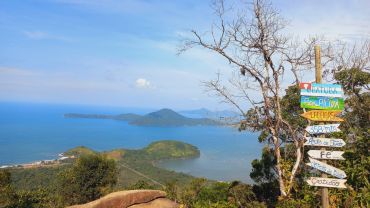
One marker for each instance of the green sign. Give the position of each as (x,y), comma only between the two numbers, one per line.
(322,103)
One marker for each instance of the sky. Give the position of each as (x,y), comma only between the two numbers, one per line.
(124,52)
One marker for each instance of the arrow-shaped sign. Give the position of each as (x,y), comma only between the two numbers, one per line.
(326,155)
(327,168)
(326,182)
(322,115)
(324,142)
(323,129)
(318,89)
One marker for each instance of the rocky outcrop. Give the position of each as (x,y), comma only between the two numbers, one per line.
(131,199)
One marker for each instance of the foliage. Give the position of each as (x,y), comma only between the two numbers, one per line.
(206,194)
(141,185)
(90,177)
(172,149)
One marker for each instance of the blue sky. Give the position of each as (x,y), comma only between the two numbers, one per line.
(123,53)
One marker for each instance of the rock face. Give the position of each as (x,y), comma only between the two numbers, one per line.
(131,199)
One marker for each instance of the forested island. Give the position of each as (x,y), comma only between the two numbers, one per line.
(164,117)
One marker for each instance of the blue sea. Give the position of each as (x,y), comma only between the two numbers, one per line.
(31,132)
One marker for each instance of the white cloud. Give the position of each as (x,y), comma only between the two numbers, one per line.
(142,83)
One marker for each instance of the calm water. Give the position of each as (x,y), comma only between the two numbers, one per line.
(30,132)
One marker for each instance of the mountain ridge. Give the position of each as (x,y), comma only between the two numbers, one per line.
(162,117)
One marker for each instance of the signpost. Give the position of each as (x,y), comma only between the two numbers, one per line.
(328,99)
(322,103)
(324,142)
(317,89)
(326,182)
(327,168)
(322,115)
(326,155)
(323,129)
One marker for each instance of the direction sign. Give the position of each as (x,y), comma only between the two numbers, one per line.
(316,89)
(326,182)
(326,155)
(324,142)
(323,129)
(322,103)
(322,115)
(327,168)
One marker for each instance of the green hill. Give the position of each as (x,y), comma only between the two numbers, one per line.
(172,149)
(168,117)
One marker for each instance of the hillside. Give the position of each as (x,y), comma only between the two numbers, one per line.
(163,117)
(141,160)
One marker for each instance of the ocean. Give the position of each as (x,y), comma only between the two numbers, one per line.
(31,132)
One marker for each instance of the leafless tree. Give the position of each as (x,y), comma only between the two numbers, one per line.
(251,37)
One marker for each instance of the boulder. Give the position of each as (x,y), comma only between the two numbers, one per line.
(132,198)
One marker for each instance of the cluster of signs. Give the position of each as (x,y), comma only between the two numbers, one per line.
(327,100)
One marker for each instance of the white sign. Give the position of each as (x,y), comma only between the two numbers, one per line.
(324,142)
(327,168)
(323,129)
(326,182)
(318,89)
(326,155)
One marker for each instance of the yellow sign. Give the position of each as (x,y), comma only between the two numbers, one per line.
(322,115)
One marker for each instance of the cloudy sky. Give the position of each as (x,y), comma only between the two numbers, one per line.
(123,53)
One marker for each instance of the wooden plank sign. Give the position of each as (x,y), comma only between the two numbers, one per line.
(316,89)
(322,103)
(324,142)
(322,115)
(326,155)
(323,129)
(327,168)
(326,182)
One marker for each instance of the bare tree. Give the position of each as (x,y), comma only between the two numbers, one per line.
(251,38)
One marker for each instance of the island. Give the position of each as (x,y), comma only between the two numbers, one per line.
(163,117)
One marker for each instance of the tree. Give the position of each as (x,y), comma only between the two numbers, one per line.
(7,194)
(253,42)
(90,177)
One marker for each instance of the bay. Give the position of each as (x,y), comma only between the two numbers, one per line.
(31,132)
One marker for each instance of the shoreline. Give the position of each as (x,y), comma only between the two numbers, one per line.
(39,163)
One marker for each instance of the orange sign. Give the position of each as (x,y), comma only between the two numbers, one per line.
(322,115)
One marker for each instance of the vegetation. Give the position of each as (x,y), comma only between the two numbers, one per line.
(164,117)
(89,178)
(92,174)
(171,150)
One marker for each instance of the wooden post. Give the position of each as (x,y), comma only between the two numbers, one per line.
(318,76)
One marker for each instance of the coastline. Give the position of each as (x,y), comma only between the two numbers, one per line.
(40,163)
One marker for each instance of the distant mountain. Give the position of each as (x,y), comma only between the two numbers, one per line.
(163,117)
(205,113)
(168,117)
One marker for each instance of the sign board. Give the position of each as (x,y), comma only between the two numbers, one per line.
(322,103)
(326,155)
(326,182)
(327,168)
(324,142)
(316,89)
(323,129)
(322,115)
